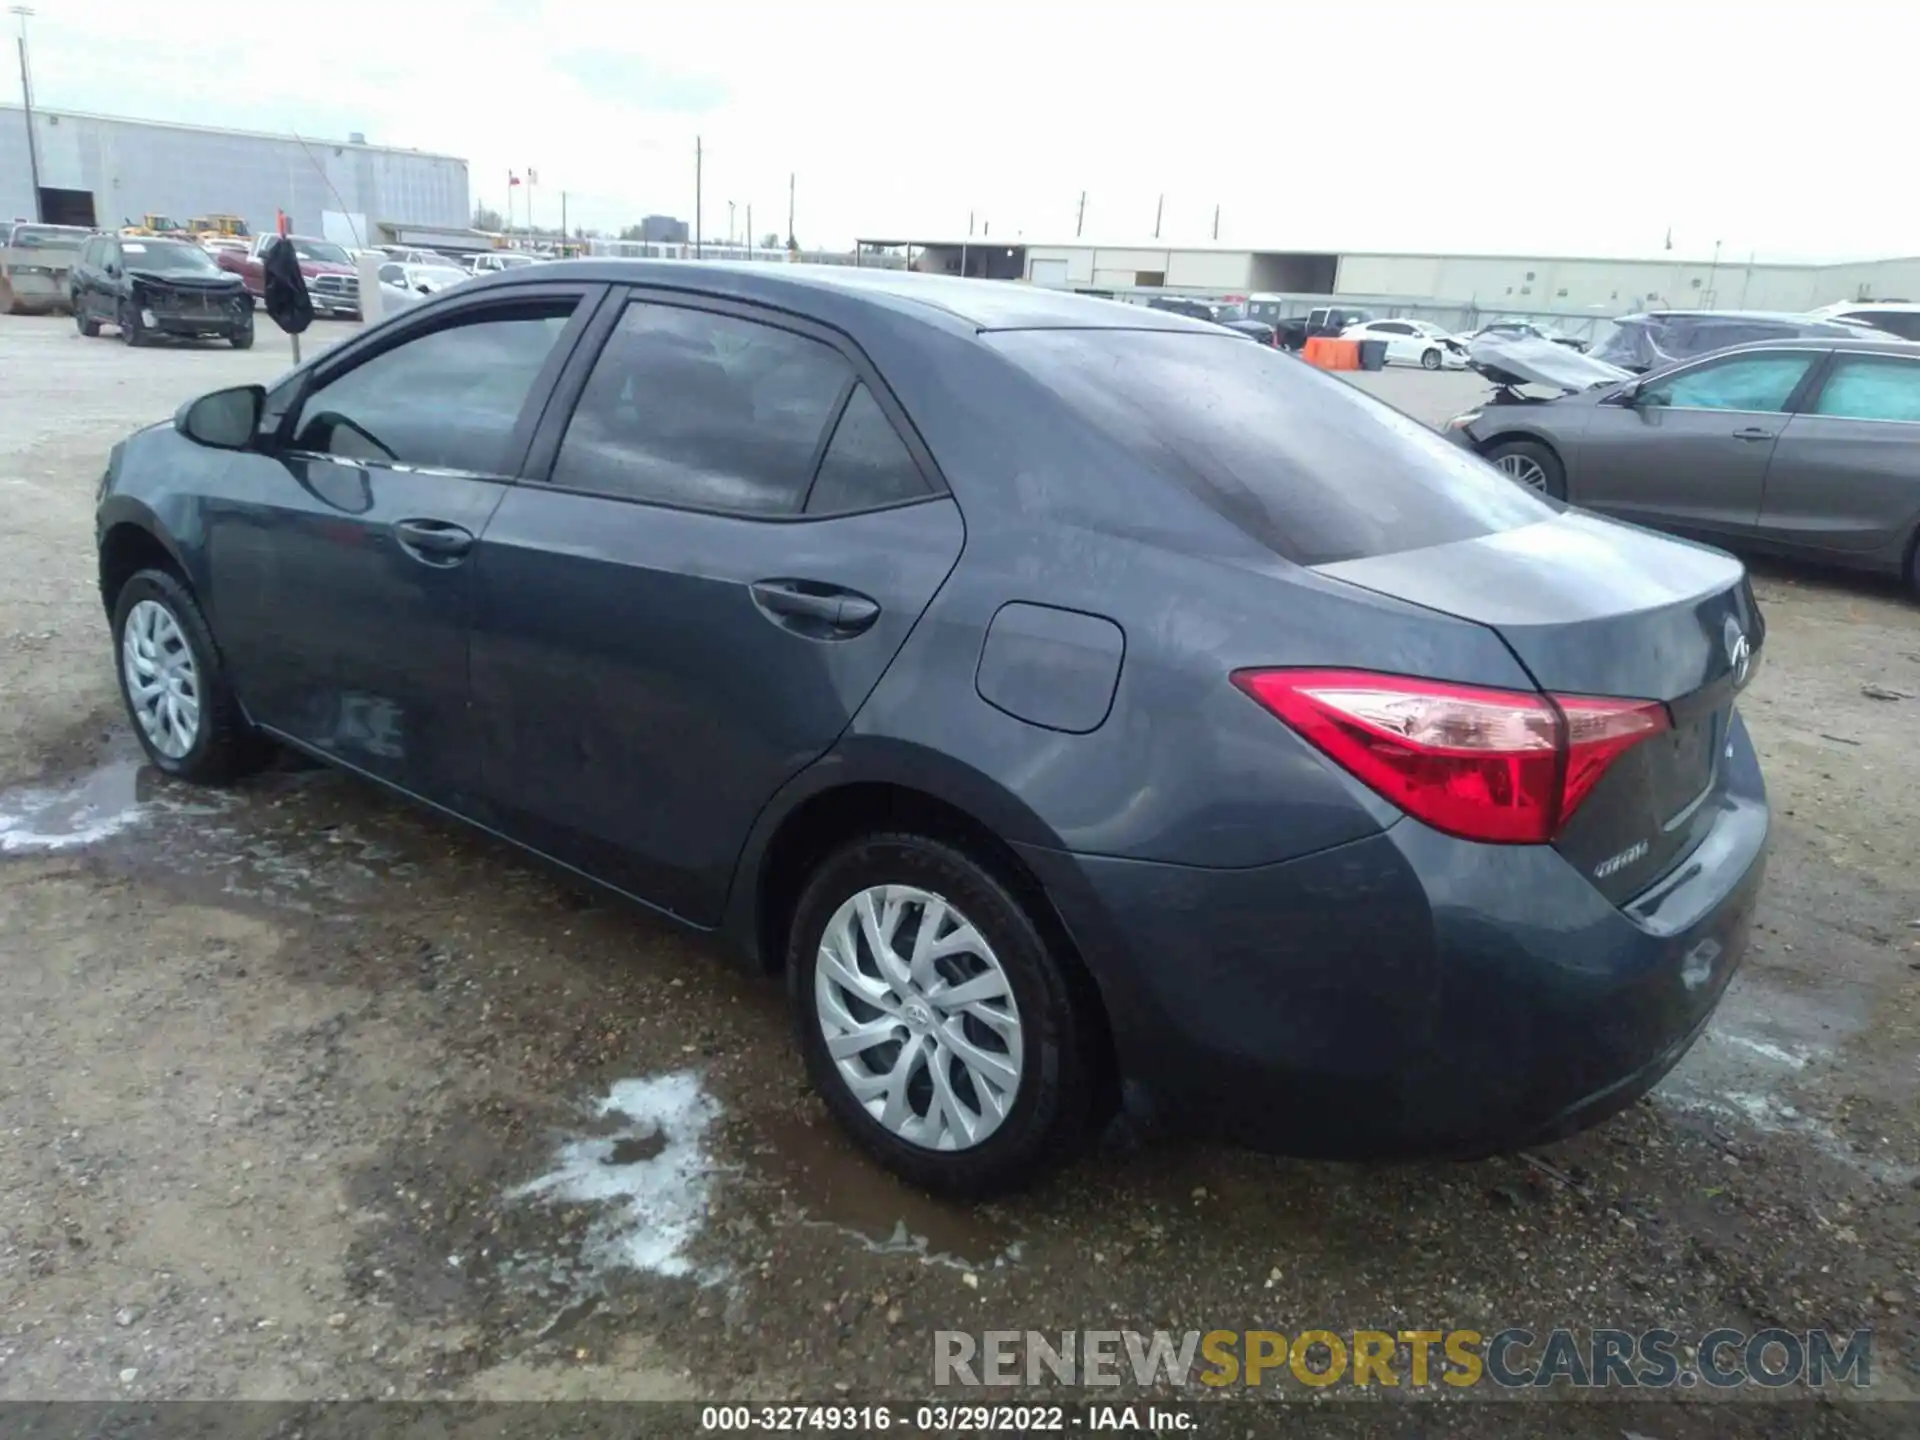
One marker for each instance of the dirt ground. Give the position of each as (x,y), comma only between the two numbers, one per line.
(306,1094)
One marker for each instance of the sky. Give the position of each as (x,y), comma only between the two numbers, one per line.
(1463,126)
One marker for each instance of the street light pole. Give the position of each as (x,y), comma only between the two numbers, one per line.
(26,108)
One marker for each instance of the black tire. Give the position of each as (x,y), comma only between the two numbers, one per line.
(241,337)
(83,322)
(1430,360)
(131,329)
(1053,1103)
(225,747)
(1553,475)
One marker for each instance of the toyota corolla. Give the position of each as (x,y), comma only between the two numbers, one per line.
(1080,705)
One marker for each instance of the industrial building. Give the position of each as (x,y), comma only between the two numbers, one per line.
(99,170)
(1486,284)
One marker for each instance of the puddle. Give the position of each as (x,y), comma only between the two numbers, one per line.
(112,798)
(839,1188)
(648,1165)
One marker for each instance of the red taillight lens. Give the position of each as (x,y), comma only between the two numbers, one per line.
(1502,766)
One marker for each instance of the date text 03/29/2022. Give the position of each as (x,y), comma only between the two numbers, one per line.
(948,1419)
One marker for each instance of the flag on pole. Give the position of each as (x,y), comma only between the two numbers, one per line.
(512,179)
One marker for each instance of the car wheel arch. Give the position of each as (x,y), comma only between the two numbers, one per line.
(130,543)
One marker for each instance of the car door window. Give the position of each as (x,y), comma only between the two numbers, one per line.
(867,464)
(1746,382)
(1904,323)
(1391,327)
(393,275)
(448,399)
(702,410)
(1871,387)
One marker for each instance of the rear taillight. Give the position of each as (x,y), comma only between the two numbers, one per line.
(1501,766)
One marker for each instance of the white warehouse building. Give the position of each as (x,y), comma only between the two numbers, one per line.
(1487,284)
(102,171)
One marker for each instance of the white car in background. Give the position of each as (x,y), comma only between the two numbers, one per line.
(1413,342)
(409,284)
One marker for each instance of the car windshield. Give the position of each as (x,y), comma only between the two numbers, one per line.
(1305,464)
(1230,312)
(47,237)
(320,252)
(174,257)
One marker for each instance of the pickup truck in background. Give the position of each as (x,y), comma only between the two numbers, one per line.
(1324,322)
(333,280)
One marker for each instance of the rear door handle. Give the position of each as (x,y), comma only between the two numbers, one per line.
(815,606)
(1753,432)
(434,541)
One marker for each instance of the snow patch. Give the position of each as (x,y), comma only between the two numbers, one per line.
(100,806)
(655,1202)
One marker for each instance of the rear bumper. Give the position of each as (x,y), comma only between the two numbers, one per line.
(1409,994)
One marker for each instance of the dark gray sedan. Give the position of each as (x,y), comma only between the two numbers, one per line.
(1078,704)
(1807,447)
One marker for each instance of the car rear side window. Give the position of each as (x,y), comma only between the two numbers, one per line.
(703,411)
(1304,463)
(448,399)
(1904,323)
(1871,387)
(867,464)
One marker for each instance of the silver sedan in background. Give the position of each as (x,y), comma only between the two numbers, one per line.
(1807,447)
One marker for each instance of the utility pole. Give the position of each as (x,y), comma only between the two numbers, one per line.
(1712,297)
(1159,208)
(1080,218)
(563,222)
(749,229)
(26,108)
(790,240)
(1216,222)
(729,222)
(696,196)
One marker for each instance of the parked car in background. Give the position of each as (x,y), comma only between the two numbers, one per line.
(1323,322)
(150,287)
(1809,447)
(1524,328)
(492,262)
(408,283)
(333,280)
(414,255)
(1660,337)
(1074,701)
(1896,317)
(1229,314)
(36,262)
(1413,342)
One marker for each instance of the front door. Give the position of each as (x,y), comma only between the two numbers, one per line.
(733,541)
(341,557)
(1692,453)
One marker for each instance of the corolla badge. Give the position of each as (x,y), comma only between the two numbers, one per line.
(1739,653)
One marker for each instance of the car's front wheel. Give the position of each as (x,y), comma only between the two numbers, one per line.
(241,336)
(1430,359)
(1532,464)
(82,321)
(131,329)
(936,1021)
(183,710)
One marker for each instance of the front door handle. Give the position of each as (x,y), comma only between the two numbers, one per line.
(434,541)
(1753,432)
(815,607)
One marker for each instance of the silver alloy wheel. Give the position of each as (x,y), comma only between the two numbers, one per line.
(163,682)
(1525,469)
(919,1017)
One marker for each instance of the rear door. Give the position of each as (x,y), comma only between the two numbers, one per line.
(736,529)
(1692,454)
(1846,470)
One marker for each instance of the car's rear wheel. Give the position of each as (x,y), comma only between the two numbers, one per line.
(1430,359)
(935,1019)
(1532,464)
(183,710)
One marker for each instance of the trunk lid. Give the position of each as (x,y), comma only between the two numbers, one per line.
(1594,607)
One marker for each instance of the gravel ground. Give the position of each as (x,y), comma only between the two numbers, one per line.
(307,1094)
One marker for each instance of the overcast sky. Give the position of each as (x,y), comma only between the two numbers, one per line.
(1539,127)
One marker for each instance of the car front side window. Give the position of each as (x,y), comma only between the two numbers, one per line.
(1746,382)
(1871,387)
(449,399)
(704,411)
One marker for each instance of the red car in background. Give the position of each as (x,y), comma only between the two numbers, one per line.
(333,280)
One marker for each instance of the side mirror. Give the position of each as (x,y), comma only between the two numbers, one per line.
(225,419)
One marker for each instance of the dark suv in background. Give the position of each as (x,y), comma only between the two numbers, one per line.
(146,287)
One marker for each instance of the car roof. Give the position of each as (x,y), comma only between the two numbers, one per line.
(980,304)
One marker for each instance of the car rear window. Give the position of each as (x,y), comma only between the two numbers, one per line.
(1308,465)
